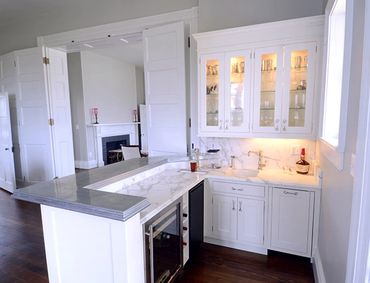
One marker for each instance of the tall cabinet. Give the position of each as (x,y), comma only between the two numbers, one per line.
(253,87)
(37,82)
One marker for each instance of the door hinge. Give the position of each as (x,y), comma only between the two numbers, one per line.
(188,41)
(316,48)
(15,64)
(189,122)
(51,122)
(212,228)
(46,60)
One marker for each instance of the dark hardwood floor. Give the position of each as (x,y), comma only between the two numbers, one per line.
(216,264)
(22,255)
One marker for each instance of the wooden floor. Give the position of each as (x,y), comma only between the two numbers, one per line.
(22,255)
(216,264)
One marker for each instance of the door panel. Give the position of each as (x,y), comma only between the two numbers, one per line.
(224,217)
(165,91)
(250,220)
(60,111)
(7,173)
(35,134)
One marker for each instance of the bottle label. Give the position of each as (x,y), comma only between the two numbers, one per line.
(303,168)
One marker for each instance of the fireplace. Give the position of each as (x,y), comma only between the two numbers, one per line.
(111,143)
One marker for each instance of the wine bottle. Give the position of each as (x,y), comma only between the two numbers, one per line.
(302,165)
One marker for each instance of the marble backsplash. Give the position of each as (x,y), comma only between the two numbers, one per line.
(279,153)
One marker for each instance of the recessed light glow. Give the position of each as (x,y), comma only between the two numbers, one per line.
(88,45)
(124,40)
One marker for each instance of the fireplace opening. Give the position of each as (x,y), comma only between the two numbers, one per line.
(113,143)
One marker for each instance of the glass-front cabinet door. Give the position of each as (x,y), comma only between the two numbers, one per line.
(212,92)
(298,88)
(237,91)
(267,90)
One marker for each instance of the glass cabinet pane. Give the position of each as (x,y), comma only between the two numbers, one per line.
(268,89)
(237,86)
(212,92)
(297,88)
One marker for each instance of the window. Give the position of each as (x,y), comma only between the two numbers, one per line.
(338,54)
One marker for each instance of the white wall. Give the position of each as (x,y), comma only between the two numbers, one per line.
(338,185)
(109,85)
(140,85)
(220,14)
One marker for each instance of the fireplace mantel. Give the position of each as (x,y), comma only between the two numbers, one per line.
(113,129)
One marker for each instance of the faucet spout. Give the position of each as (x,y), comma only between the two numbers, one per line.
(260,155)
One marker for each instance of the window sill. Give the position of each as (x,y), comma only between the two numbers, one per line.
(332,154)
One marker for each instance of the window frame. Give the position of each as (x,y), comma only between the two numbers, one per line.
(335,153)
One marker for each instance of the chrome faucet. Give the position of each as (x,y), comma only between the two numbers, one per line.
(261,164)
(232,161)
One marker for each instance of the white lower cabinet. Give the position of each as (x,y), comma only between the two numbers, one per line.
(292,214)
(238,214)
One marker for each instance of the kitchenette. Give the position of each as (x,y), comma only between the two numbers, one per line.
(141,220)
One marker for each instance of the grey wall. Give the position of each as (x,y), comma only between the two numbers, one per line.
(219,14)
(74,14)
(77,106)
(338,185)
(140,85)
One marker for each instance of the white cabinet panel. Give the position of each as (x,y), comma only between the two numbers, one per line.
(251,220)
(165,91)
(8,66)
(291,218)
(224,217)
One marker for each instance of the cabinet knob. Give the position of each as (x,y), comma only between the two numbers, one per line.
(185,228)
(184,215)
(184,243)
(284,128)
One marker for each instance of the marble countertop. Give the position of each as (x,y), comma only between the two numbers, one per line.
(166,183)
(73,193)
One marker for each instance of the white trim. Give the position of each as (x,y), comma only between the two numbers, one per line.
(358,262)
(240,246)
(63,39)
(332,154)
(82,164)
(318,270)
(336,154)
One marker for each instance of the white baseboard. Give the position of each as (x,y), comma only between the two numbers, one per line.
(82,164)
(243,247)
(318,269)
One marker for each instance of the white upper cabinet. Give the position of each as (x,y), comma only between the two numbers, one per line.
(253,87)
(225,81)
(284,89)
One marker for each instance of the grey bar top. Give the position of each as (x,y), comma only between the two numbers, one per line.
(70,192)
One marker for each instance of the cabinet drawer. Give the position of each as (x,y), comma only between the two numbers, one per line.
(238,188)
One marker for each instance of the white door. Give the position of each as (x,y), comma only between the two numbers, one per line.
(224,216)
(33,115)
(143,128)
(212,93)
(165,90)
(250,220)
(60,112)
(7,174)
(299,85)
(268,70)
(291,221)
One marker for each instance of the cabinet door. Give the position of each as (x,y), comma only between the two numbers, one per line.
(237,91)
(224,215)
(299,62)
(250,220)
(212,93)
(268,70)
(292,213)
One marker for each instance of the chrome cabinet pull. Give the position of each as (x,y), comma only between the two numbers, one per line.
(234,189)
(233,204)
(226,124)
(290,193)
(240,206)
(240,190)
(284,128)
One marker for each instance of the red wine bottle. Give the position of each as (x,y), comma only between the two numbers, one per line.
(302,165)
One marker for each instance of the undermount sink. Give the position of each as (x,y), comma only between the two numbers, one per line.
(240,173)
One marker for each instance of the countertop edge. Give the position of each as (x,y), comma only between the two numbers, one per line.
(84,208)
